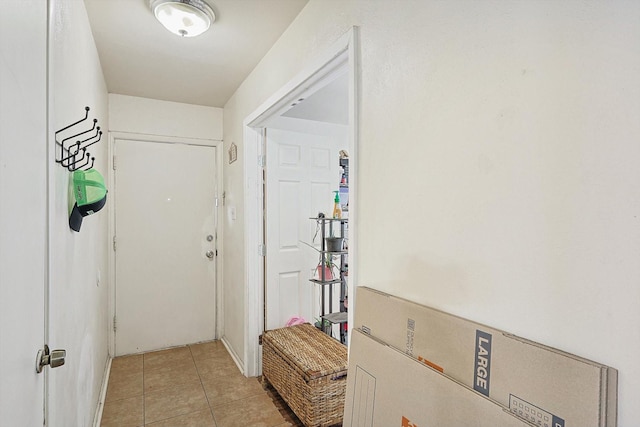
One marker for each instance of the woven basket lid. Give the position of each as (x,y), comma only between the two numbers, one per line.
(313,352)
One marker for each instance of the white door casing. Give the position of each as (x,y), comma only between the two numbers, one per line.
(343,53)
(165,224)
(302,171)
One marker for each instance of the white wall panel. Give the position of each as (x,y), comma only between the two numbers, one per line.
(79,274)
(155,117)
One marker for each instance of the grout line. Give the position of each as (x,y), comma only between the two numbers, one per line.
(144,409)
(203,389)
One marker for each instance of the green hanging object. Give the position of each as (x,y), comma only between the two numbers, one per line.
(90,194)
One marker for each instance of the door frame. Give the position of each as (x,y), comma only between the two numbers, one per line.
(129,136)
(342,54)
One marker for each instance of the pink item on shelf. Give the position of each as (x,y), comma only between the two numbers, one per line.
(295,321)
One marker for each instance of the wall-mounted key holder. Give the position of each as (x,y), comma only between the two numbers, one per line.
(71,151)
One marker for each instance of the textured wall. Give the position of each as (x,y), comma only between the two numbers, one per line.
(497,159)
(78,320)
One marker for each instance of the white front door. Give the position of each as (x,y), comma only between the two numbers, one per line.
(165,226)
(302,173)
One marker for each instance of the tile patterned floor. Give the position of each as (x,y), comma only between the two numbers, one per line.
(193,386)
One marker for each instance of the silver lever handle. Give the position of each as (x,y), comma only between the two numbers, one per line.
(54,358)
(57,358)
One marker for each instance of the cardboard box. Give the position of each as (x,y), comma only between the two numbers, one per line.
(387,388)
(514,372)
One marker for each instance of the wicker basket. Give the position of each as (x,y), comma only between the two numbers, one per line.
(309,370)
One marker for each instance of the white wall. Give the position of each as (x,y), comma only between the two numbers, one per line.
(154,117)
(498,174)
(234,250)
(78,261)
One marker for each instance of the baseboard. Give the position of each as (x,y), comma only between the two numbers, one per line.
(234,355)
(97,420)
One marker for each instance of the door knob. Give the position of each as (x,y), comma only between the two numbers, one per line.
(209,254)
(54,358)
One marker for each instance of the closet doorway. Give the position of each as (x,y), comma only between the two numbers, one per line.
(339,60)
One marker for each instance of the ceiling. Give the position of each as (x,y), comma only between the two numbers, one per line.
(139,57)
(330,104)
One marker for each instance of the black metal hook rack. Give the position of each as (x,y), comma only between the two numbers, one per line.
(71,153)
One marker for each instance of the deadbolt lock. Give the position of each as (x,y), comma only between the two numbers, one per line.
(54,358)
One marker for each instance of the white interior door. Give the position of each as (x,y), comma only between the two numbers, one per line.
(23,210)
(302,171)
(165,222)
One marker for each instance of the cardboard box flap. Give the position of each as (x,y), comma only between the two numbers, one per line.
(388,388)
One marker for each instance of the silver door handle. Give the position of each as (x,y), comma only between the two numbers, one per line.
(209,254)
(53,358)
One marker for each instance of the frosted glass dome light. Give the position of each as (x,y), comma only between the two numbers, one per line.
(186,18)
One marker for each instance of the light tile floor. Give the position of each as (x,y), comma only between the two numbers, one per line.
(193,386)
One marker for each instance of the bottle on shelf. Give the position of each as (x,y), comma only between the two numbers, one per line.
(337,212)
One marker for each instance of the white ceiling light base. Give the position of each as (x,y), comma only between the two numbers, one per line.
(186,18)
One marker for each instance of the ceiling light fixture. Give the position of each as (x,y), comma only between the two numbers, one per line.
(186,18)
